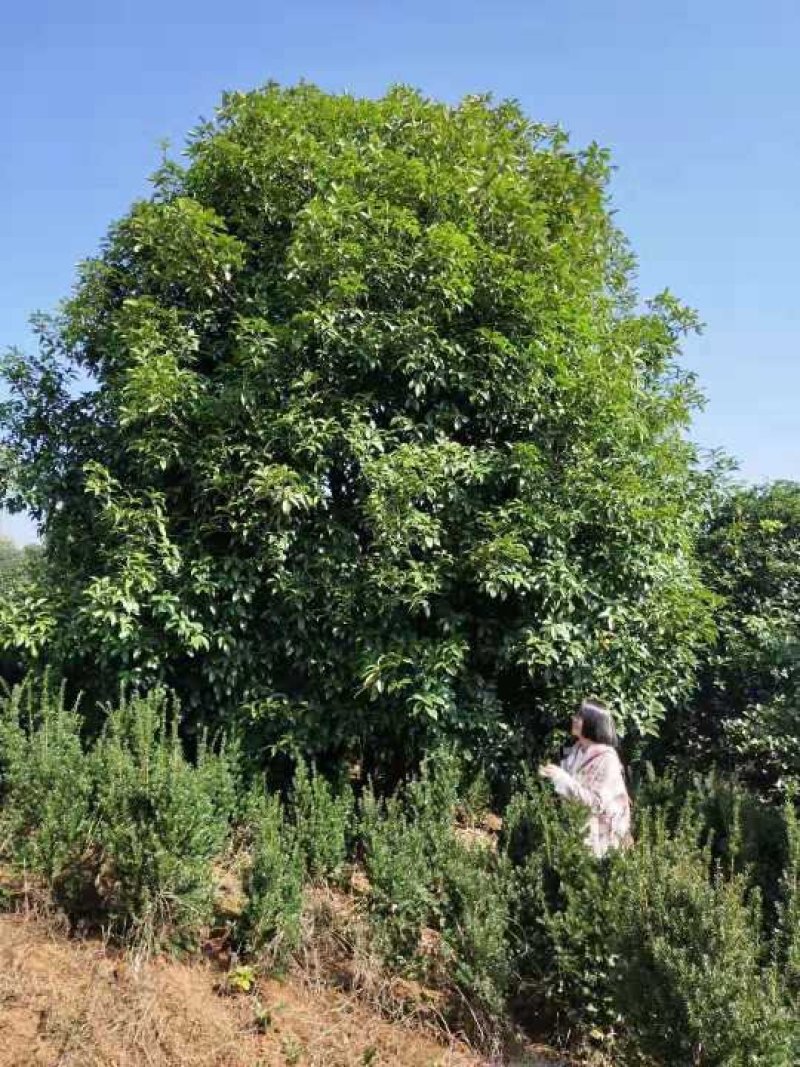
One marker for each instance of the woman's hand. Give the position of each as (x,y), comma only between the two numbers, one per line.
(560,778)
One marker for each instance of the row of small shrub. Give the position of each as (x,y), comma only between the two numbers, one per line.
(427,878)
(661,954)
(683,950)
(123,831)
(662,950)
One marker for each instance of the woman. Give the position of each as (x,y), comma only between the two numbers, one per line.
(591,774)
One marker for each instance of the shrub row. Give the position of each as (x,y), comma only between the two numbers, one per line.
(123,831)
(683,950)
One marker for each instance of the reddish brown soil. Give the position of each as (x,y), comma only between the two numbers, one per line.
(66,1002)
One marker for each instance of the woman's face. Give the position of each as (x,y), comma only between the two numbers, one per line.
(577,727)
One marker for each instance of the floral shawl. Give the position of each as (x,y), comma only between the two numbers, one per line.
(596,779)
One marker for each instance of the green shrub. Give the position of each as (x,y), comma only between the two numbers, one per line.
(322,820)
(695,986)
(123,832)
(406,840)
(422,876)
(668,951)
(745,833)
(160,820)
(661,948)
(744,712)
(219,769)
(396,860)
(432,800)
(562,917)
(475,795)
(789,908)
(274,883)
(46,822)
(473,915)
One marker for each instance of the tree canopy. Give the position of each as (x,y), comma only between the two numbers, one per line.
(380,445)
(744,715)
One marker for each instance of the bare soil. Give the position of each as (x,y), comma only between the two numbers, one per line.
(75,1003)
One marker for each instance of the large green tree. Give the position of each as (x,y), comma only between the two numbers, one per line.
(379,446)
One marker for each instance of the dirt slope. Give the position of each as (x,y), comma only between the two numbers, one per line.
(76,1004)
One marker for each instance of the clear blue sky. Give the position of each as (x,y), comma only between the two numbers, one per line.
(698,102)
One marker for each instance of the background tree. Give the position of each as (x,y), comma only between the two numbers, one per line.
(744,715)
(17,579)
(379,447)
(9,557)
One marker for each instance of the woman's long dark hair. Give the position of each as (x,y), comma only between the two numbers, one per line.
(598,726)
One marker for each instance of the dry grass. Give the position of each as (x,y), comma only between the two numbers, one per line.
(84,1005)
(81,1003)
(337,953)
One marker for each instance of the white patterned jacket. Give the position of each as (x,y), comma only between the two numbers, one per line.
(594,777)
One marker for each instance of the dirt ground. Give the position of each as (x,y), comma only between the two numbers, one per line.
(77,1004)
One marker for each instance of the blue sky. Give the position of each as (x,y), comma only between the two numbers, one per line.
(698,102)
